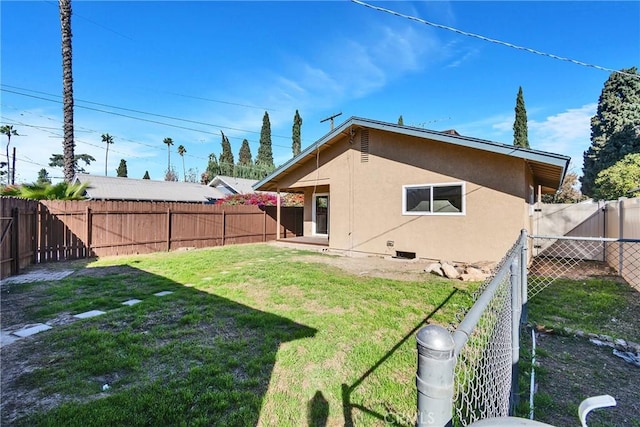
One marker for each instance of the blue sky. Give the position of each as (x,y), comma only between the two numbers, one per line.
(219,65)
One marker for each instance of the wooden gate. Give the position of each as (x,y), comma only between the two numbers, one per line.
(18,230)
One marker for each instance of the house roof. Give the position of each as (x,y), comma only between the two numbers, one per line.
(116,188)
(548,168)
(239,185)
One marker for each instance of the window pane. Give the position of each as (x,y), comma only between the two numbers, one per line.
(447,199)
(418,199)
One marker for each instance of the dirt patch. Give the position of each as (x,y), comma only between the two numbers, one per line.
(372,266)
(574,270)
(572,369)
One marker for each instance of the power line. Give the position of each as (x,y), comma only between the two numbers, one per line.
(221,102)
(140,118)
(499,42)
(133,111)
(93,22)
(113,150)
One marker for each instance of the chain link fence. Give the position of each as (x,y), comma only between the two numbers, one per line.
(470,373)
(483,366)
(556,257)
(484,351)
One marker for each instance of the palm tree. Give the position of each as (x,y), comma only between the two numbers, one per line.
(67,89)
(181,151)
(107,139)
(9,131)
(169,143)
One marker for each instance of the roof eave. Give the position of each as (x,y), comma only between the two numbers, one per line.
(526,154)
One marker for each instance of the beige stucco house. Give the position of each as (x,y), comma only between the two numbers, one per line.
(379,188)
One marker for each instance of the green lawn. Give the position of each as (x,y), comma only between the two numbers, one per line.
(252,334)
(595,305)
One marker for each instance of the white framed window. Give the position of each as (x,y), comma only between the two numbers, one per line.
(433,199)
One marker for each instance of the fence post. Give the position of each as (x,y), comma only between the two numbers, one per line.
(264,225)
(620,236)
(524,263)
(34,235)
(434,378)
(15,222)
(88,234)
(516,304)
(168,229)
(224,226)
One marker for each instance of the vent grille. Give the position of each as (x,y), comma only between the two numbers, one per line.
(364,146)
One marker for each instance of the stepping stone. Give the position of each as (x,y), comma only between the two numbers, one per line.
(131,302)
(6,338)
(88,314)
(31,330)
(163,293)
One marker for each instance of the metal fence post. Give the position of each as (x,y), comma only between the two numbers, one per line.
(620,236)
(516,305)
(524,262)
(434,378)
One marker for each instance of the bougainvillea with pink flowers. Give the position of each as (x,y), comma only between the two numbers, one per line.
(262,199)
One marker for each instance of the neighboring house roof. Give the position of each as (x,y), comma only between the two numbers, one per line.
(548,169)
(116,188)
(232,185)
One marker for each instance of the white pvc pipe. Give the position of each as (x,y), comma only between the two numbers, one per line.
(532,386)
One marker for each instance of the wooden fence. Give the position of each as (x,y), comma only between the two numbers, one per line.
(44,231)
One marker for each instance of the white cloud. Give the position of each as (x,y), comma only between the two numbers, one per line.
(568,133)
(459,56)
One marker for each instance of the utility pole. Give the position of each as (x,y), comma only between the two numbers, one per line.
(331,118)
(13,168)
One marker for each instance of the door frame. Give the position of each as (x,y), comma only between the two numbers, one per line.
(314,218)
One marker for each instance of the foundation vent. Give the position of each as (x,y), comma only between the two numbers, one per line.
(405,255)
(364,146)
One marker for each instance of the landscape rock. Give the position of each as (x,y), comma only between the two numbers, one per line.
(450,271)
(434,268)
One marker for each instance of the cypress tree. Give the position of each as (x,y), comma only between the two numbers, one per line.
(264,160)
(226,157)
(614,128)
(400,120)
(520,132)
(146,175)
(245,162)
(295,134)
(122,169)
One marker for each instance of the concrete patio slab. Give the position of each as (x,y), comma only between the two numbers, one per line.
(36,276)
(163,293)
(131,302)
(88,314)
(31,330)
